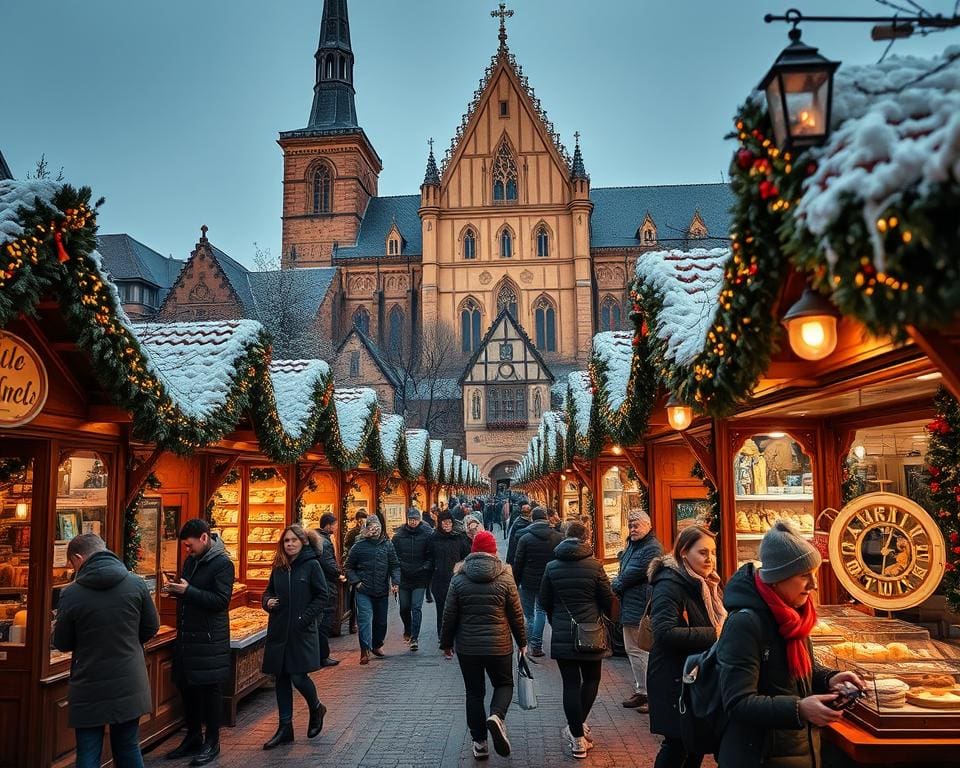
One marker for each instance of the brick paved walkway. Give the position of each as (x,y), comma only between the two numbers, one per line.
(407,711)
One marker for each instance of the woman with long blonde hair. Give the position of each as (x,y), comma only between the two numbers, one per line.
(294,598)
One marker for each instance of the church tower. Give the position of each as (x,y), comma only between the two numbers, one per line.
(330,168)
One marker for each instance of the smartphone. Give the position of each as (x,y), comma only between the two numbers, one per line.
(846,698)
(170,576)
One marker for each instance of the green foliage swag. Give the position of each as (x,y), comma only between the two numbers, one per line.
(943,462)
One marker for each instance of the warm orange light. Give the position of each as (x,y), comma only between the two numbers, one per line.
(563,477)
(617,450)
(679,415)
(811,326)
(21,511)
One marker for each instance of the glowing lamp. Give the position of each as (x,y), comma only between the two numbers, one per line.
(811,326)
(679,415)
(859,451)
(563,477)
(617,450)
(799,88)
(21,511)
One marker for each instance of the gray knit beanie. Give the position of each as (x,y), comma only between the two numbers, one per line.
(785,553)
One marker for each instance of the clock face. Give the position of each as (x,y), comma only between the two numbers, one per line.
(887,552)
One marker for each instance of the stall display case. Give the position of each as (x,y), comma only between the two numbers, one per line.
(620,494)
(248,632)
(225,515)
(16,510)
(772,480)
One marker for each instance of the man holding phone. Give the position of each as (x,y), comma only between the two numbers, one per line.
(201,652)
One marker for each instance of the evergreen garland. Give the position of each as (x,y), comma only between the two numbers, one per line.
(713,496)
(132,537)
(943,461)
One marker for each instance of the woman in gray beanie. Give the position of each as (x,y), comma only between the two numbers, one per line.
(775,694)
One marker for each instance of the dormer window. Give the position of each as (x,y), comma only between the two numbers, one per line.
(698,227)
(647,233)
(393,246)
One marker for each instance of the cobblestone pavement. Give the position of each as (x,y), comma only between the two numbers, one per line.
(407,711)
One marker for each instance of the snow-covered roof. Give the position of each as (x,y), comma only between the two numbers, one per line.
(896,124)
(436,458)
(688,285)
(581,392)
(17,194)
(391,430)
(354,406)
(294,385)
(615,350)
(447,464)
(417,440)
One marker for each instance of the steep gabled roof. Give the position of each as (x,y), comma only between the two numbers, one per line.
(381,214)
(378,357)
(505,317)
(5,172)
(126,258)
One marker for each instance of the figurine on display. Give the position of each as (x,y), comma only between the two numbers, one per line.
(751,470)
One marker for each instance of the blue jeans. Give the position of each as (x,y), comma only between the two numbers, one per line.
(535,615)
(124,741)
(371,620)
(411,609)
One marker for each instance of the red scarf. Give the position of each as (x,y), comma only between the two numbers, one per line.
(795,626)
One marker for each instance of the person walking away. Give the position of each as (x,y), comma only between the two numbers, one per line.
(374,570)
(104,618)
(775,694)
(349,539)
(412,544)
(489,514)
(472,526)
(686,616)
(333,576)
(505,516)
(482,619)
(514,532)
(295,598)
(535,548)
(575,590)
(633,589)
(447,548)
(201,651)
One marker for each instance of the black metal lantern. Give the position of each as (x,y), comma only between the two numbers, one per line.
(799,89)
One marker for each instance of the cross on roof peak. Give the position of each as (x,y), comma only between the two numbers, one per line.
(504,14)
(430,142)
(576,136)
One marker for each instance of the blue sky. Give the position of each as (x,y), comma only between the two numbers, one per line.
(171,110)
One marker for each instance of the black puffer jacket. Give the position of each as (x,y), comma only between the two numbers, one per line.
(516,528)
(759,695)
(632,583)
(483,612)
(201,654)
(575,583)
(105,617)
(371,566)
(535,548)
(292,644)
(681,627)
(446,550)
(328,563)
(412,546)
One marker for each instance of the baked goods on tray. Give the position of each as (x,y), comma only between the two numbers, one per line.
(935,698)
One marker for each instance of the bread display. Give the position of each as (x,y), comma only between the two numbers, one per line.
(246,621)
(934,698)
(888,693)
(877,651)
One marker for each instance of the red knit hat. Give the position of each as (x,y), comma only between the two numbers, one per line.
(484,542)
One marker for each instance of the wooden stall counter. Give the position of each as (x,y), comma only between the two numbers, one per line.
(867,749)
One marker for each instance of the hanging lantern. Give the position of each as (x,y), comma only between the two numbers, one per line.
(799,88)
(679,415)
(811,326)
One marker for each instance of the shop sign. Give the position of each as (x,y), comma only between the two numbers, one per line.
(23,381)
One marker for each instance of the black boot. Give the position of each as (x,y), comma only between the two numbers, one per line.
(284,735)
(192,743)
(208,754)
(316,720)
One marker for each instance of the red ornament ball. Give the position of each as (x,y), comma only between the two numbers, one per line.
(934,486)
(768,189)
(954,537)
(744,159)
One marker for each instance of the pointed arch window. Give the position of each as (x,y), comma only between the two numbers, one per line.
(507,299)
(361,320)
(545,322)
(610,314)
(396,329)
(543,242)
(343,68)
(506,244)
(470,326)
(321,189)
(469,245)
(328,74)
(504,176)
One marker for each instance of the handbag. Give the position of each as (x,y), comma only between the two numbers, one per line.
(526,690)
(645,633)
(588,637)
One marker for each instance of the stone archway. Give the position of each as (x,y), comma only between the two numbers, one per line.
(501,475)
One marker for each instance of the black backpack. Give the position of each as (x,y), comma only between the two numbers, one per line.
(702,719)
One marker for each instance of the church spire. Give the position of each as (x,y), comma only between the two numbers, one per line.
(432,176)
(577,170)
(333,95)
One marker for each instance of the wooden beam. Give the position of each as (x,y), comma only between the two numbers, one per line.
(705,455)
(214,477)
(303,478)
(638,468)
(942,353)
(137,477)
(108,414)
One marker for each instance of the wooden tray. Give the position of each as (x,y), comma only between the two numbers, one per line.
(917,701)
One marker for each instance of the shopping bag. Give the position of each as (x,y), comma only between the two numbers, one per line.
(526,692)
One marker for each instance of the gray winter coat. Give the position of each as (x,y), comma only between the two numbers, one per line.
(104,618)
(632,584)
(483,610)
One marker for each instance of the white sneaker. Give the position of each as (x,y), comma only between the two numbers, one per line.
(570,738)
(498,733)
(579,747)
(480,751)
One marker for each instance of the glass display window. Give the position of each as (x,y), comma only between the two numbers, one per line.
(620,494)
(16,520)
(148,515)
(319,499)
(266,519)
(225,515)
(890,458)
(772,480)
(570,506)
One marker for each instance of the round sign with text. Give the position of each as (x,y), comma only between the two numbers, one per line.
(23,382)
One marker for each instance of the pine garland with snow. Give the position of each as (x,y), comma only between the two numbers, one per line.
(943,466)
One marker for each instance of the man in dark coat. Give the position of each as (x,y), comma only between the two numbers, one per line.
(535,548)
(411,542)
(332,576)
(633,589)
(490,513)
(201,652)
(371,567)
(349,539)
(514,532)
(104,619)
(447,548)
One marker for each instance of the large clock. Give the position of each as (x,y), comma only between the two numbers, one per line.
(886,551)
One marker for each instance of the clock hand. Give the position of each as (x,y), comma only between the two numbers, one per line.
(886,550)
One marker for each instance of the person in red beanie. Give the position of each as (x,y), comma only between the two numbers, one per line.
(482,615)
